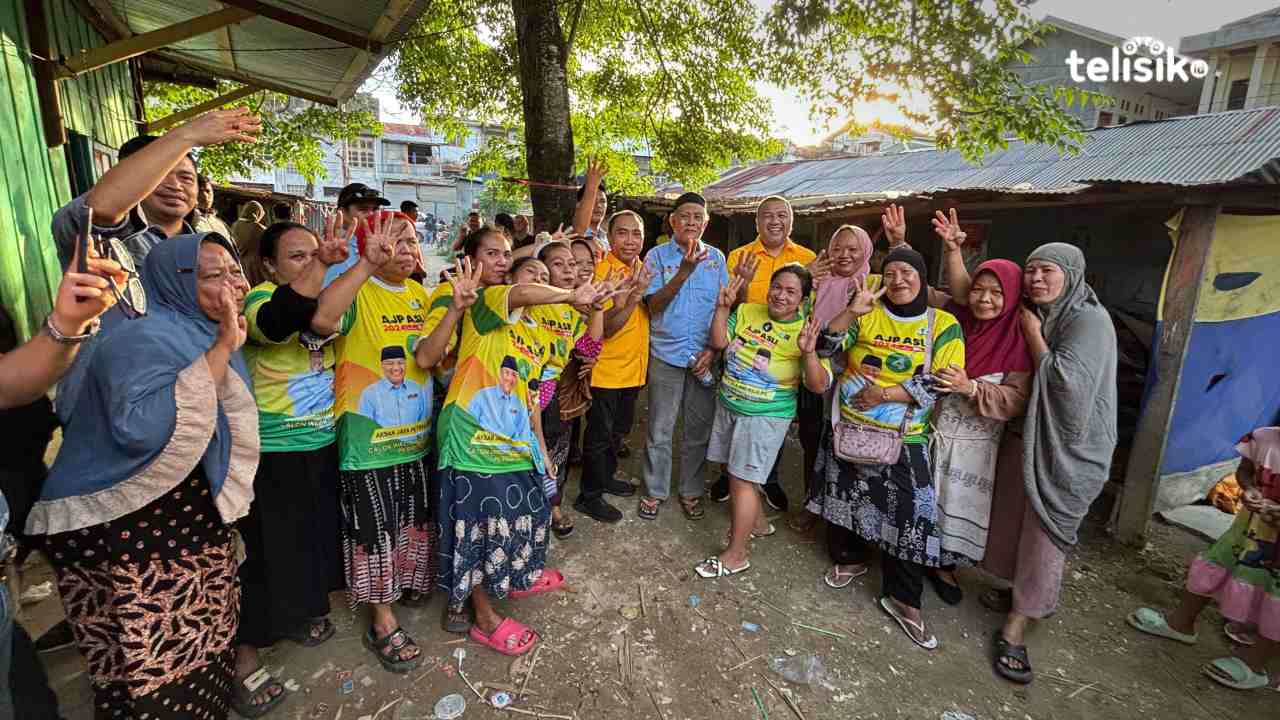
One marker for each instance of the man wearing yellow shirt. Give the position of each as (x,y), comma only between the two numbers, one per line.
(756,262)
(619,373)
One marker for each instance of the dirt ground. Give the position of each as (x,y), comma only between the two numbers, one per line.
(699,662)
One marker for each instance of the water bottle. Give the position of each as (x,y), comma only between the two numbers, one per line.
(705,377)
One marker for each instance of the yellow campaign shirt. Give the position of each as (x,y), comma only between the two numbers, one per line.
(564,326)
(486,423)
(441,299)
(624,359)
(886,350)
(758,288)
(383,408)
(763,365)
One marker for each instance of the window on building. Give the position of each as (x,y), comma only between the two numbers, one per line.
(1105,118)
(1124,119)
(332,192)
(1239,91)
(296,190)
(360,153)
(420,154)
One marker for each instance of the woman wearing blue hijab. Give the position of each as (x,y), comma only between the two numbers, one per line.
(156,462)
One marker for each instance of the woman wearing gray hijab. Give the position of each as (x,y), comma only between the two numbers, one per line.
(1068,436)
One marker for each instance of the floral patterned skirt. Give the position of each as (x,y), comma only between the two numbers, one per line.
(892,506)
(1242,572)
(388,532)
(153,602)
(494,532)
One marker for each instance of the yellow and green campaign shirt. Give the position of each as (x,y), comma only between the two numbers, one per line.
(887,350)
(383,397)
(292,382)
(485,425)
(441,299)
(762,366)
(564,326)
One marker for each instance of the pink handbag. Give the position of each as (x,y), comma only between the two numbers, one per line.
(864,444)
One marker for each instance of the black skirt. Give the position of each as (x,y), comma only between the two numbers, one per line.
(292,538)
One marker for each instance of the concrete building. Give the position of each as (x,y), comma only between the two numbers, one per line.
(1133,100)
(1243,58)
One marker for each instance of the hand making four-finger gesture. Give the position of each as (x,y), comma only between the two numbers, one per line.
(863,300)
(465,280)
(746,267)
(808,340)
(334,248)
(379,249)
(948,228)
(894,222)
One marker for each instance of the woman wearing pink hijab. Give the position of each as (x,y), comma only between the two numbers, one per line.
(849,253)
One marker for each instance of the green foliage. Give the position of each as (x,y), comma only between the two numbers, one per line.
(493,200)
(292,130)
(954,54)
(673,79)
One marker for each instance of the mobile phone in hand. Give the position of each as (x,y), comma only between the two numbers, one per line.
(83,241)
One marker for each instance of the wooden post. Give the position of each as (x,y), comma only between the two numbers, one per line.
(183,115)
(146,42)
(1181,295)
(55,132)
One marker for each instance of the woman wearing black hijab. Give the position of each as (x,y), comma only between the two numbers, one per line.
(894,341)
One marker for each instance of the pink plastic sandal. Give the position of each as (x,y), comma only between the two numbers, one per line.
(550,580)
(509,638)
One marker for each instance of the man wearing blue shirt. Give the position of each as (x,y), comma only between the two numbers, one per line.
(394,400)
(687,277)
(498,409)
(358,201)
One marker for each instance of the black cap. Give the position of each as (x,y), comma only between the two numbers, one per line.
(359,191)
(393,352)
(690,197)
(404,206)
(509,362)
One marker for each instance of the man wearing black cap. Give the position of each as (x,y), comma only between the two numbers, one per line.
(358,201)
(394,400)
(687,277)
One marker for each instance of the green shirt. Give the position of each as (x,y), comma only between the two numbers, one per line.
(763,366)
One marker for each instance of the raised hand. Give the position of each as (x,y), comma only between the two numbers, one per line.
(820,267)
(693,256)
(747,266)
(808,340)
(232,328)
(953,379)
(558,235)
(863,300)
(466,283)
(596,170)
(894,221)
(334,248)
(220,126)
(640,279)
(84,296)
(379,250)
(948,228)
(729,293)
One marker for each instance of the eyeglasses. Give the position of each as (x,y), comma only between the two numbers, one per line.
(132,297)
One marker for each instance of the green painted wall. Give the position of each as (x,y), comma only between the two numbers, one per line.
(33,177)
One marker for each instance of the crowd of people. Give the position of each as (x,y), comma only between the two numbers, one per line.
(358,430)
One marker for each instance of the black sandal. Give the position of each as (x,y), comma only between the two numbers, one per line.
(389,649)
(1005,650)
(997,600)
(950,594)
(245,688)
(649,508)
(562,528)
(306,634)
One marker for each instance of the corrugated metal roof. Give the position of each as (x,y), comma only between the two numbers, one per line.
(1241,146)
(280,56)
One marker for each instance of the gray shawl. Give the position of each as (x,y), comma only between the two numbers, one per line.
(1070,430)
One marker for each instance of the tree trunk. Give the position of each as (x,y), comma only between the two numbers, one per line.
(544,87)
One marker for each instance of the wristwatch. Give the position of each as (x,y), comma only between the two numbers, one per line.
(59,337)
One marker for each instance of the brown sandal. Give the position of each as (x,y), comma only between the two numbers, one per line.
(648,509)
(692,508)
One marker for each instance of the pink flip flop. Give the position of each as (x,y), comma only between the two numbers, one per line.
(550,580)
(511,637)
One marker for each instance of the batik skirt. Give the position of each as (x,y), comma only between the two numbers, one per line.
(388,532)
(494,532)
(892,506)
(153,602)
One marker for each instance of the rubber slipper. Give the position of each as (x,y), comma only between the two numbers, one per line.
(999,600)
(549,581)
(692,508)
(948,593)
(1235,674)
(907,623)
(1240,633)
(649,508)
(509,638)
(713,568)
(1005,649)
(397,641)
(563,529)
(834,578)
(1152,622)
(245,689)
(755,535)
